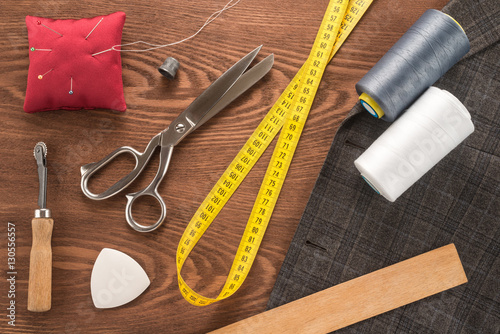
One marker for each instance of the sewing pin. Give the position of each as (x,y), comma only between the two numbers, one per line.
(71,88)
(94,27)
(33,49)
(40,76)
(51,29)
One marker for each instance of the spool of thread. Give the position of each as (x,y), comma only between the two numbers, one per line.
(430,129)
(432,45)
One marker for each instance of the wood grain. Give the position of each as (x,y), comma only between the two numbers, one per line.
(83,227)
(361,298)
(40,275)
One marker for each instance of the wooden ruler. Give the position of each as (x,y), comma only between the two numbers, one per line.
(361,298)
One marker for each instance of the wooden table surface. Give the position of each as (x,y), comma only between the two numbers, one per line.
(83,227)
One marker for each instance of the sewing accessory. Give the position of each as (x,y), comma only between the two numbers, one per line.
(289,113)
(33,49)
(217,96)
(40,274)
(99,82)
(43,25)
(430,129)
(432,45)
(169,68)
(40,76)
(91,31)
(116,279)
(361,298)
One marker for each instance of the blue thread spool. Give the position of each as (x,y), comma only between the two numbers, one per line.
(432,45)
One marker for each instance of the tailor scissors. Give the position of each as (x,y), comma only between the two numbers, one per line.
(218,95)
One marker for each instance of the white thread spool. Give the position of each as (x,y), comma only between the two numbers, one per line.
(430,129)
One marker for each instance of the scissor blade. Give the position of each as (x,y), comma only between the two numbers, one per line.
(247,80)
(203,103)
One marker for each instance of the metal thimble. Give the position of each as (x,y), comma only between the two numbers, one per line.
(169,68)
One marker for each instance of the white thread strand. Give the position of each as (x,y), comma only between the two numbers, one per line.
(210,19)
(102,18)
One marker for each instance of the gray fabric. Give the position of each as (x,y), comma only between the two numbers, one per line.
(347,230)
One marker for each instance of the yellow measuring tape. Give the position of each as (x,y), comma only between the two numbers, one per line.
(290,113)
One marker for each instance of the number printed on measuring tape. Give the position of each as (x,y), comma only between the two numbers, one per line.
(289,115)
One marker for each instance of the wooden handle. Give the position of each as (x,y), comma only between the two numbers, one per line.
(40,282)
(361,298)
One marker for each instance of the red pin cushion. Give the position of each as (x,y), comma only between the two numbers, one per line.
(64,73)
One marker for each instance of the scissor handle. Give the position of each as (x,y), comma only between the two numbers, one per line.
(141,159)
(131,198)
(151,190)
